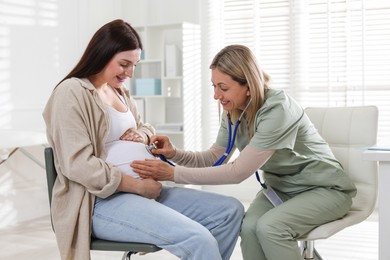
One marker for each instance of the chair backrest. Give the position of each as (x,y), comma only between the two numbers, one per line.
(349,131)
(51,173)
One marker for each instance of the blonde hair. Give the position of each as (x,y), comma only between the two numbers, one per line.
(240,64)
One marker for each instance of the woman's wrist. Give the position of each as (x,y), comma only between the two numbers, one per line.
(129,184)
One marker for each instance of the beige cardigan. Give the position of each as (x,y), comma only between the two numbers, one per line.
(77,127)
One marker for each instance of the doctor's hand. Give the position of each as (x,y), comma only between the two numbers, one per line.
(134,135)
(153,169)
(164,146)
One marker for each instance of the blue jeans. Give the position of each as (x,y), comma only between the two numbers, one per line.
(190,224)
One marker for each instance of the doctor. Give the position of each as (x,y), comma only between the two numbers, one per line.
(275,135)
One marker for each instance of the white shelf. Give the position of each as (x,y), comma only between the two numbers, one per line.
(175,104)
(149,61)
(173,78)
(166,132)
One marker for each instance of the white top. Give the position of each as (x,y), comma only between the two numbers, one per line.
(122,153)
(119,123)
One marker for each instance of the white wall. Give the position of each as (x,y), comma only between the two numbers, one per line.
(40,41)
(150,12)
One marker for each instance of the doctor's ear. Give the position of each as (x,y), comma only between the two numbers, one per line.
(248,93)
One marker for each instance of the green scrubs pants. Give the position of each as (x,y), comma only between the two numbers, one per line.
(270,233)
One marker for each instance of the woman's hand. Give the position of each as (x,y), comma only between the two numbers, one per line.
(147,188)
(150,189)
(164,146)
(154,169)
(135,135)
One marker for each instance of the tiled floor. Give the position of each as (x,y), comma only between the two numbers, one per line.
(25,229)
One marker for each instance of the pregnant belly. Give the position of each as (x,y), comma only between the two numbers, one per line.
(122,153)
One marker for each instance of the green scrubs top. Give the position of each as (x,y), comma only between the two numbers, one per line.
(302,159)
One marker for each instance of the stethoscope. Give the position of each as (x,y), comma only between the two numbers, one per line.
(232,139)
(162,157)
(229,147)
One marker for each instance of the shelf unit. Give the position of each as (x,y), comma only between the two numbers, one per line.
(171,57)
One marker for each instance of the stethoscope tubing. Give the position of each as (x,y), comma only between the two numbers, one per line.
(231,141)
(162,157)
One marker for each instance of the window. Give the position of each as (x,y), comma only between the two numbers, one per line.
(322,52)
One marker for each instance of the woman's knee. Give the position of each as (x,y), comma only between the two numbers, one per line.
(259,227)
(274,229)
(199,244)
(248,227)
(230,211)
(236,209)
(206,239)
(264,229)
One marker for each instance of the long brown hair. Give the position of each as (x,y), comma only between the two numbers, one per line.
(240,64)
(112,38)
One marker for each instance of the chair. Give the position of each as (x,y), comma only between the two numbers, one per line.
(348,130)
(129,248)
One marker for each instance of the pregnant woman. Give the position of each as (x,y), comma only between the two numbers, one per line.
(87,115)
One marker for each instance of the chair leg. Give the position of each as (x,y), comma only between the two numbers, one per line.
(308,251)
(127,255)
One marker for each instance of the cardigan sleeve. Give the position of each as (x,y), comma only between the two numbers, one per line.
(76,130)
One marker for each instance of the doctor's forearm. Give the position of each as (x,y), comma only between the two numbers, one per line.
(235,172)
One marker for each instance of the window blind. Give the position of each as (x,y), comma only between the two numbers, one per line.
(322,52)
